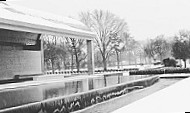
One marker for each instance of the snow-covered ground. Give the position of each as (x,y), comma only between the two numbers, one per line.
(172,99)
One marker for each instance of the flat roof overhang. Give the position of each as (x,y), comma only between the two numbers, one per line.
(18,19)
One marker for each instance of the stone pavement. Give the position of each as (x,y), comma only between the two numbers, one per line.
(173,99)
(180,75)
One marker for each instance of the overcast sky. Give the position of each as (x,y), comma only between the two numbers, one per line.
(145,18)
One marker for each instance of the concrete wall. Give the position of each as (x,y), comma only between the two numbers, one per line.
(17,37)
(15,57)
(19,62)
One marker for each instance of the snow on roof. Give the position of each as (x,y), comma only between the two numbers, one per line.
(41,21)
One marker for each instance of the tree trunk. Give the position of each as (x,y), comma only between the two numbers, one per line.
(121,60)
(117,55)
(185,63)
(136,61)
(52,66)
(77,63)
(64,62)
(104,57)
(140,58)
(161,58)
(71,62)
(77,60)
(129,58)
(104,63)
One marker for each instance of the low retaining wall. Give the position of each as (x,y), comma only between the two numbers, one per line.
(22,94)
(66,104)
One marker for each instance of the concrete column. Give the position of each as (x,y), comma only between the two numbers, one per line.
(90,54)
(42,54)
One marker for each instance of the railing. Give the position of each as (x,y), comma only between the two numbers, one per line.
(96,71)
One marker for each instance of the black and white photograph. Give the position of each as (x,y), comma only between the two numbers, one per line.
(94,56)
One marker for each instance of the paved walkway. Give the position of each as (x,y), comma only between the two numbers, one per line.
(180,75)
(173,99)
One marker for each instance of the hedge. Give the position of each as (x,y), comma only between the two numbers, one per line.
(160,71)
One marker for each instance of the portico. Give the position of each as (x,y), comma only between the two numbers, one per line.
(21,42)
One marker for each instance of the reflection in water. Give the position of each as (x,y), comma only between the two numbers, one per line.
(66,88)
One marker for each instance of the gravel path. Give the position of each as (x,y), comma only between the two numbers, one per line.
(113,104)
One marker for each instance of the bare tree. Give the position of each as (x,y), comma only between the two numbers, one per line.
(157,47)
(64,54)
(120,45)
(131,48)
(161,46)
(138,52)
(75,47)
(104,24)
(51,51)
(149,49)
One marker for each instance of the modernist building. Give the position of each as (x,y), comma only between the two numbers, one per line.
(21,43)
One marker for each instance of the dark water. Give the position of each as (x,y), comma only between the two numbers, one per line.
(67,88)
(37,92)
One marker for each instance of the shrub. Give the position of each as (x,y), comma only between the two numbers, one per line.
(160,71)
(169,62)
